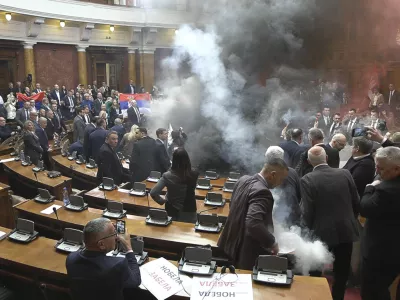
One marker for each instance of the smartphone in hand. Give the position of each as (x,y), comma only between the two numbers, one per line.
(120,226)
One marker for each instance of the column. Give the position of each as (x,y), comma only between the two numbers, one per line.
(132,65)
(147,69)
(82,70)
(29,59)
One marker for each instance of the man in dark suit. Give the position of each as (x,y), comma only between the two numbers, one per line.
(5,130)
(94,90)
(3,111)
(130,88)
(316,137)
(68,106)
(162,161)
(87,116)
(338,142)
(27,91)
(44,141)
(88,130)
(350,122)
(22,114)
(50,128)
(325,122)
(31,143)
(119,128)
(107,160)
(380,244)
(106,88)
(97,138)
(79,126)
(38,89)
(58,120)
(45,104)
(336,126)
(361,164)
(247,232)
(97,103)
(92,274)
(57,95)
(329,209)
(293,148)
(10,89)
(376,123)
(33,116)
(133,114)
(393,100)
(142,158)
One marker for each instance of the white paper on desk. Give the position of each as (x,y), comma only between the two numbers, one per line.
(7,160)
(124,191)
(238,287)
(2,234)
(49,210)
(160,278)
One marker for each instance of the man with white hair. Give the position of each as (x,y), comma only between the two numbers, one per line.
(380,245)
(329,210)
(286,196)
(133,114)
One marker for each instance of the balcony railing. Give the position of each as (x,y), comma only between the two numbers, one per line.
(181,5)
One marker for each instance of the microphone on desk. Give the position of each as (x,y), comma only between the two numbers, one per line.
(212,208)
(56,213)
(34,173)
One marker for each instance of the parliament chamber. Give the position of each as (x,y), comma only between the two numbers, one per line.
(97,96)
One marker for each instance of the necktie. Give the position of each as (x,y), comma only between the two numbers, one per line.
(373,124)
(390,97)
(27,114)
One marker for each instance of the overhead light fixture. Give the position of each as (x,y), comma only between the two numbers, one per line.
(8,16)
(176,31)
(112,28)
(62,24)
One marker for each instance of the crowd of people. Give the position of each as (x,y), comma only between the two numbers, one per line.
(321,198)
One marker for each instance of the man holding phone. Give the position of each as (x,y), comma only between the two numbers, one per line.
(92,274)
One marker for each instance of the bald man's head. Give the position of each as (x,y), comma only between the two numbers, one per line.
(338,141)
(317,156)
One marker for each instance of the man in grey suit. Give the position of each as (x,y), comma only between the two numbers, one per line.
(330,204)
(79,126)
(22,114)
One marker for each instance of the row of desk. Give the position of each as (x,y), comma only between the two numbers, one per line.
(23,182)
(88,176)
(170,240)
(40,262)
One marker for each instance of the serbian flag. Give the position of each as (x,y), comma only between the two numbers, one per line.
(23,98)
(142,100)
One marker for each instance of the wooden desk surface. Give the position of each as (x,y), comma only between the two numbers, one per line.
(177,232)
(41,255)
(27,173)
(122,195)
(200,194)
(71,164)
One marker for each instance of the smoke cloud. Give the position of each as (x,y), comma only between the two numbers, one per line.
(214,80)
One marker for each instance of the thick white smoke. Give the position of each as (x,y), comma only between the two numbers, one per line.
(310,254)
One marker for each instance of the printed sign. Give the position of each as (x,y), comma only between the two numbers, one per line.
(161,278)
(222,286)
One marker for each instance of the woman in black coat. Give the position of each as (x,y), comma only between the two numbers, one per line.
(31,143)
(115,111)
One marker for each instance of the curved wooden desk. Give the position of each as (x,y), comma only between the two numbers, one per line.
(40,262)
(23,181)
(88,176)
(139,205)
(172,239)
